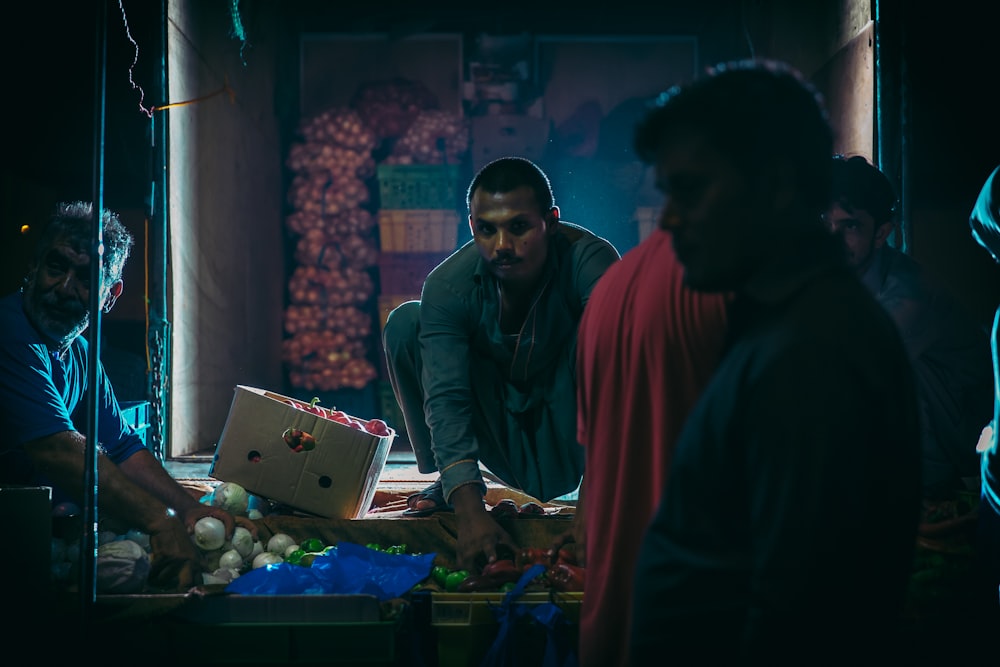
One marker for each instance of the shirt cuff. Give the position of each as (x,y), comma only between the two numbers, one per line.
(460,474)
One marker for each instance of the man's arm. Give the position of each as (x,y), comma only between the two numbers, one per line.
(140,494)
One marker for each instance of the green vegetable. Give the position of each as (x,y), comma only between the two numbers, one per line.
(439,573)
(455,578)
(312,544)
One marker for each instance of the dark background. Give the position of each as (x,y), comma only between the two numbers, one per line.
(50,56)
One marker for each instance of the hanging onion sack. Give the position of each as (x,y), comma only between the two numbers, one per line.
(435,137)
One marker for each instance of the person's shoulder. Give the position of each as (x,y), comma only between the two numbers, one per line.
(462,262)
(581,239)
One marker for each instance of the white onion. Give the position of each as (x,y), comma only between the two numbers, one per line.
(209,533)
(242,541)
(266,558)
(231,497)
(279,542)
(231,559)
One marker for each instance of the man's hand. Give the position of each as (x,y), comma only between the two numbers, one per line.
(175,560)
(575,537)
(480,539)
(194,513)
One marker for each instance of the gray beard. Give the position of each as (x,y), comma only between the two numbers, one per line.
(60,326)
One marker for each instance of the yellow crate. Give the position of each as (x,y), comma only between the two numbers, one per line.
(475,608)
(418,230)
(466,628)
(387,302)
(646,218)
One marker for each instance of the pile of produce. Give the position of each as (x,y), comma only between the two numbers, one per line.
(390,106)
(329,315)
(435,137)
(561,573)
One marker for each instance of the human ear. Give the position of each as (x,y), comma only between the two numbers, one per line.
(882,233)
(113,293)
(552,219)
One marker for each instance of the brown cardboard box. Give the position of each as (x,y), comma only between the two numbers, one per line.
(497,136)
(336,480)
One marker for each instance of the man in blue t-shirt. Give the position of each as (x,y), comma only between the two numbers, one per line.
(43,398)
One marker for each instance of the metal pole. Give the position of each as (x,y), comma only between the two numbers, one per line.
(158,336)
(88,570)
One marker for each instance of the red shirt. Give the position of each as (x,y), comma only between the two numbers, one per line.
(647,346)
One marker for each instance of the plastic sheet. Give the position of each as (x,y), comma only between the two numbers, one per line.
(345,570)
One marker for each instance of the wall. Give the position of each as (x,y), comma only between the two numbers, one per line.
(227,266)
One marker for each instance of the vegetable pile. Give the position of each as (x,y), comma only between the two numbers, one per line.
(435,137)
(561,573)
(390,106)
(296,438)
(329,314)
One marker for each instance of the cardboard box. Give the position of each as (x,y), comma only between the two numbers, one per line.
(497,136)
(335,480)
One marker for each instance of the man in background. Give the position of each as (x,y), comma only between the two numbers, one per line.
(949,350)
(792,448)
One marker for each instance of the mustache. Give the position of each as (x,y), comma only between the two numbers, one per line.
(505,258)
(68,307)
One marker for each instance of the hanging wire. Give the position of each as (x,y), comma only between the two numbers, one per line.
(131,69)
(238,31)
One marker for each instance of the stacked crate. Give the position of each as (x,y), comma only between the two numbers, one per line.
(418,228)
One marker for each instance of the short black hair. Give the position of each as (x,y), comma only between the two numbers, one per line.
(72,220)
(858,185)
(757,112)
(509,173)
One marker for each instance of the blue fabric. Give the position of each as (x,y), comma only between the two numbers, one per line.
(43,393)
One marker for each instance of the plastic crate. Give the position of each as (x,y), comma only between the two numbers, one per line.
(403,186)
(405,272)
(387,302)
(136,414)
(418,230)
(466,628)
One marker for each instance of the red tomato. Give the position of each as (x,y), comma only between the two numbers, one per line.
(377,427)
(339,416)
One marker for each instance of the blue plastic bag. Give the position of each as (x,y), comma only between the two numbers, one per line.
(560,650)
(344,570)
